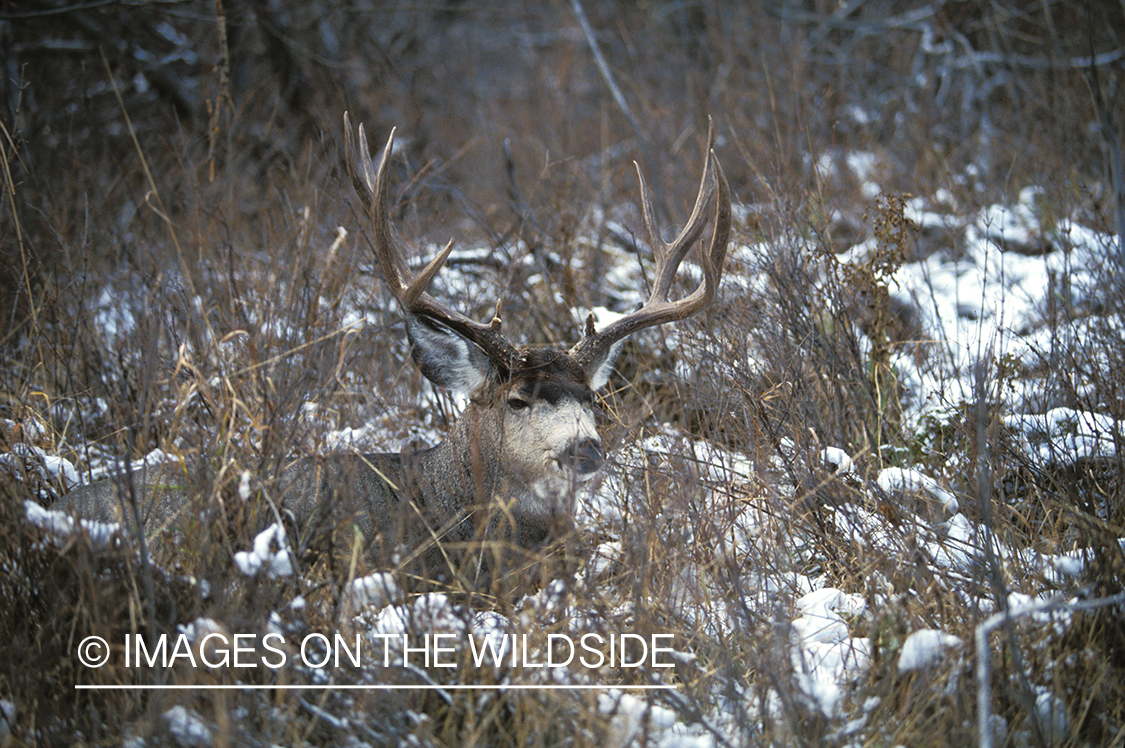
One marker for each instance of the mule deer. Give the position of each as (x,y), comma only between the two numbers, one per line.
(507,471)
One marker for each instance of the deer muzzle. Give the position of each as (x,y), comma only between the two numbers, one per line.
(583,458)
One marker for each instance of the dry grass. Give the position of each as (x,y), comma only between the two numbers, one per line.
(176,281)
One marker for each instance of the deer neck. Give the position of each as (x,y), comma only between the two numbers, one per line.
(461,471)
(463,476)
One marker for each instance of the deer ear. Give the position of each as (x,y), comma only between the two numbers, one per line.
(599,369)
(444,357)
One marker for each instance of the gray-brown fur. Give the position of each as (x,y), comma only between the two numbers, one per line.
(422,509)
(161,492)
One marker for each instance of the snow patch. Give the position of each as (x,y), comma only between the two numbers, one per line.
(925,648)
(271,555)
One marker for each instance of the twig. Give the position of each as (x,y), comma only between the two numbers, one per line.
(984,665)
(603,68)
(1111,137)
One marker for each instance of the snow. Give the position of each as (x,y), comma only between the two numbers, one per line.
(839,461)
(26,457)
(824,669)
(7,719)
(187,728)
(152,459)
(113,314)
(826,656)
(271,554)
(1052,714)
(925,648)
(1065,436)
(986,302)
(630,715)
(63,526)
(895,480)
(376,590)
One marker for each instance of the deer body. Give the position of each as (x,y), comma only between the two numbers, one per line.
(507,472)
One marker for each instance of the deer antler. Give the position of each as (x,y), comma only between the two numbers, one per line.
(371,185)
(659,309)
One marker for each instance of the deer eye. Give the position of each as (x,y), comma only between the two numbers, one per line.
(516,404)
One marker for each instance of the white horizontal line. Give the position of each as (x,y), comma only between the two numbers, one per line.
(366,687)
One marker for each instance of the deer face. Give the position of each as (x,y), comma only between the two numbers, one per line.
(540,422)
(550,442)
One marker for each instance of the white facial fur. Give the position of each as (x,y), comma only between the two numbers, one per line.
(538,442)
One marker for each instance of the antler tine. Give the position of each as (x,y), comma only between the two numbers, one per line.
(364,187)
(670,255)
(658,309)
(716,254)
(371,184)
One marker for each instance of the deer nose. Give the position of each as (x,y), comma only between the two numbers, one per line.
(584,457)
